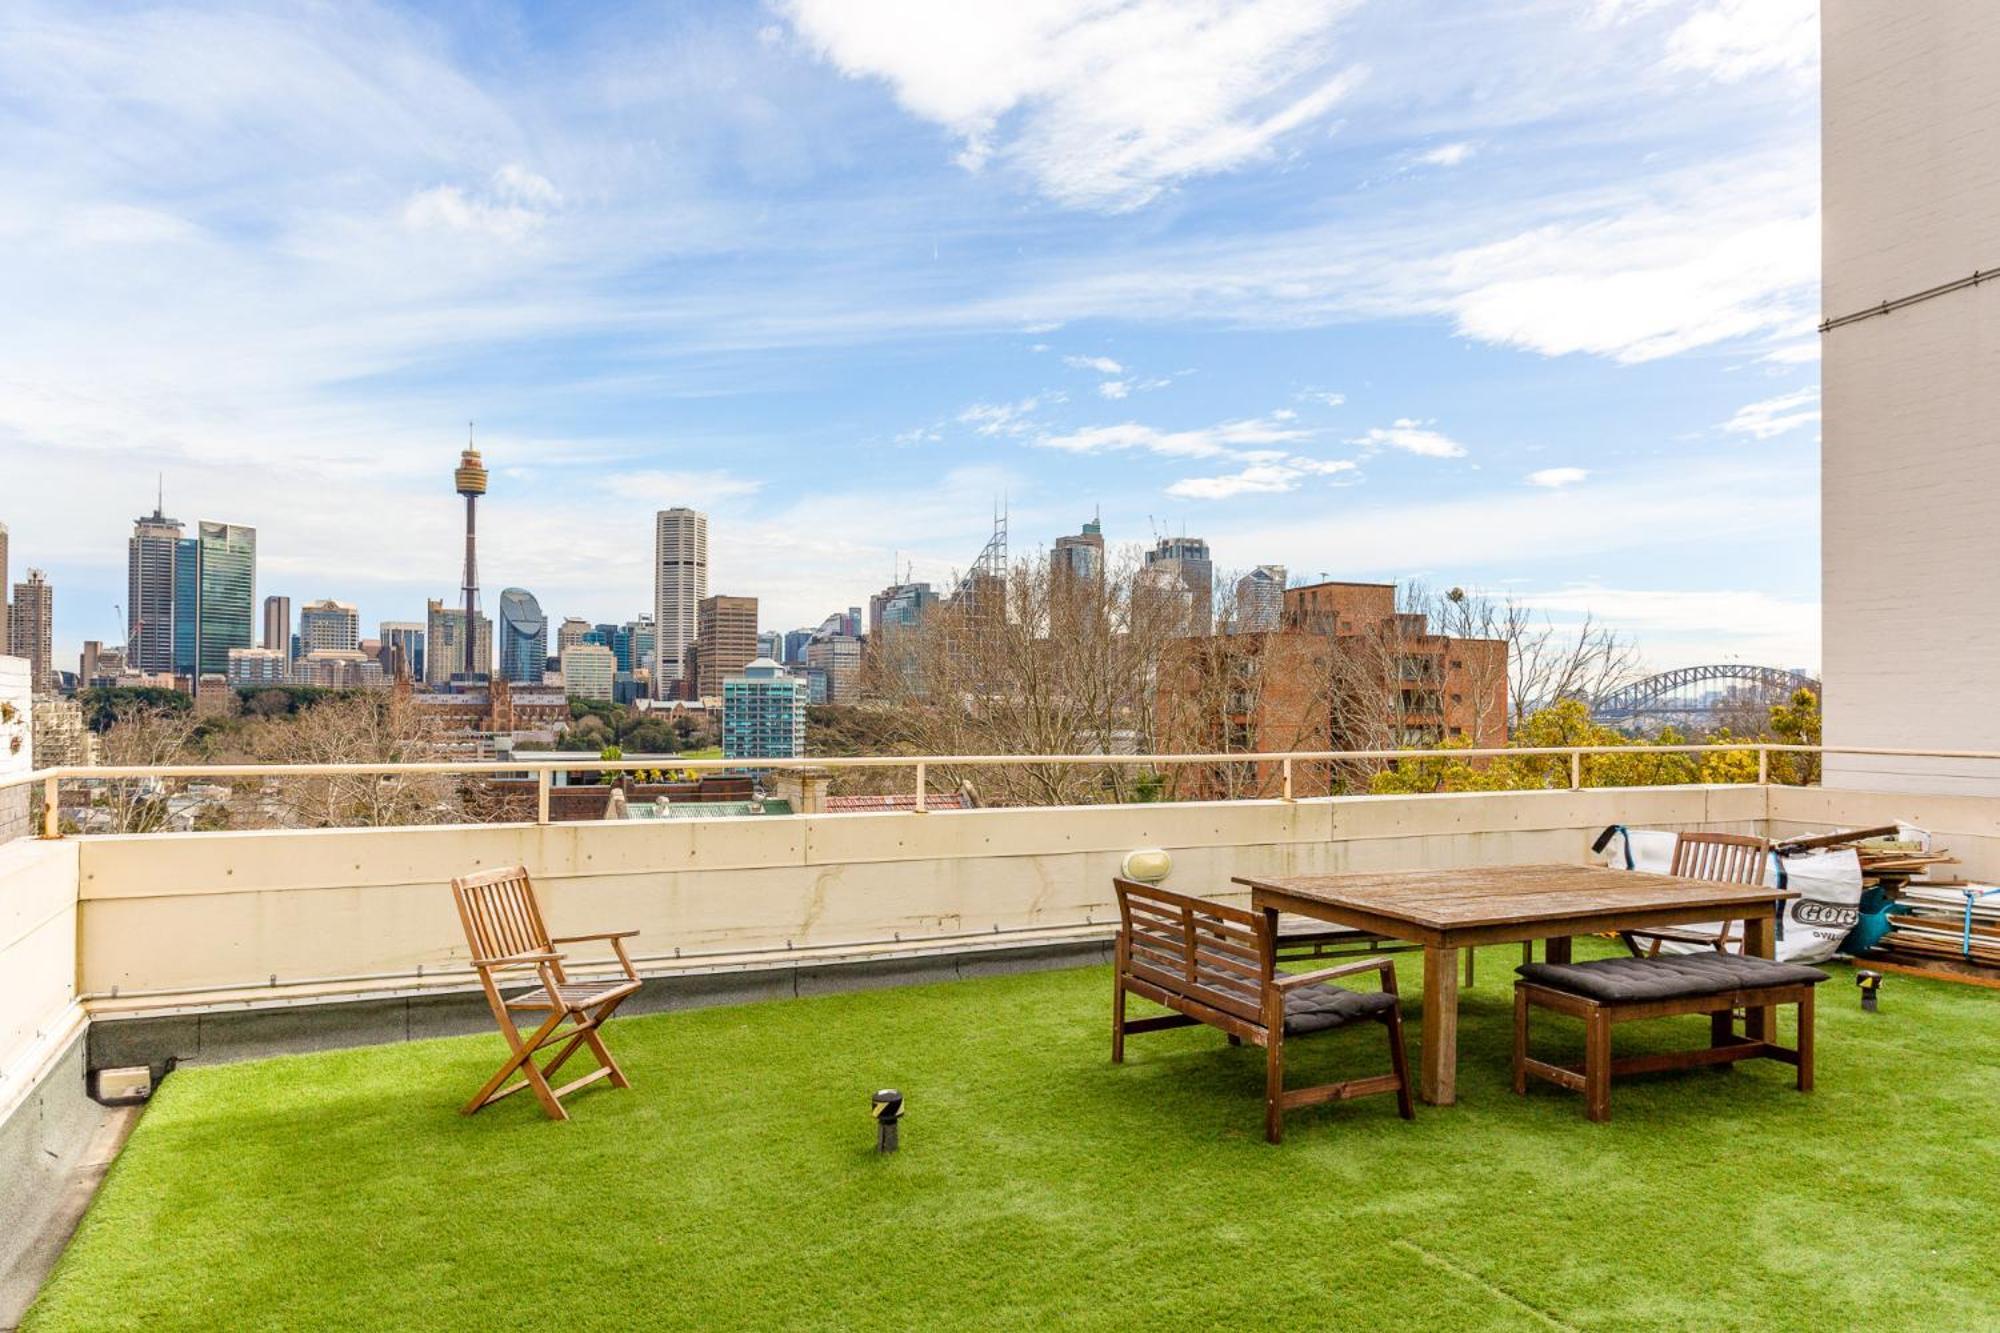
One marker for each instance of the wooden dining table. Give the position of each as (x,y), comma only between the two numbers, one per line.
(1466,906)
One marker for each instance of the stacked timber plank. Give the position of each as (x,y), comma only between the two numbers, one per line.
(1888,856)
(1932,923)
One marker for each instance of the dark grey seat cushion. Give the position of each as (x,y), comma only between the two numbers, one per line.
(1317,1008)
(1668,977)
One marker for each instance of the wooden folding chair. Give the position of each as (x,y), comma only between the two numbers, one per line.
(1723,858)
(503,924)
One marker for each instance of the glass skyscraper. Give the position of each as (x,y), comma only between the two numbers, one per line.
(524,637)
(226,613)
(187,601)
(149,593)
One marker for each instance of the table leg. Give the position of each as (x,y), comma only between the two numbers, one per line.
(1556,949)
(1439,1075)
(1760,940)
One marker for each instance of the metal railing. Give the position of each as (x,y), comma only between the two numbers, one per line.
(544,770)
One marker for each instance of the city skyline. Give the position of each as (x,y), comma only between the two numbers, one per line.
(888,286)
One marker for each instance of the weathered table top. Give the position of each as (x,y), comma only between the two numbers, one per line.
(1537,898)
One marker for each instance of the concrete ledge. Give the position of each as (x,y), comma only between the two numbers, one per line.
(254,1032)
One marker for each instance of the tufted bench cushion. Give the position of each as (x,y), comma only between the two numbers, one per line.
(1669,977)
(1317,1008)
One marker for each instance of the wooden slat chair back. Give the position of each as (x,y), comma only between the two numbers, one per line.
(510,945)
(1215,964)
(1720,858)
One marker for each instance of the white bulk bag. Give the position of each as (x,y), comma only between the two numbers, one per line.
(1810,927)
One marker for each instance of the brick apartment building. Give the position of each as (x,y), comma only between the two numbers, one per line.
(1346,672)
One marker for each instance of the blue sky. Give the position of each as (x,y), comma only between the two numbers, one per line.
(1515,295)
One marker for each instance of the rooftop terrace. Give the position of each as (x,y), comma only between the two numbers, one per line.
(736,1184)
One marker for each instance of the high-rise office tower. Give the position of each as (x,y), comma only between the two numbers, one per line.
(899,606)
(407,638)
(470,480)
(31,630)
(226,616)
(1187,559)
(680,582)
(278,623)
(524,637)
(771,644)
(572,631)
(1081,555)
(725,641)
(445,644)
(642,645)
(187,606)
(1260,600)
(149,592)
(328,626)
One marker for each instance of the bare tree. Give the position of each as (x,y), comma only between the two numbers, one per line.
(380,727)
(1042,660)
(1545,663)
(141,736)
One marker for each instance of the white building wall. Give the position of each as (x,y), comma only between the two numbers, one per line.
(1911,475)
(17,746)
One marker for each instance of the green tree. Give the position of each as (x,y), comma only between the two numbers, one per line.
(1797,722)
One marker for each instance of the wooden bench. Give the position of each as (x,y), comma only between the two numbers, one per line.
(1610,991)
(1215,964)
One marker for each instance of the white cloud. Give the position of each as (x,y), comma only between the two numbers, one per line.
(1800,353)
(1557,476)
(1322,397)
(1015,418)
(1268,477)
(1103,365)
(1412,437)
(514,204)
(1228,439)
(1115,388)
(1732,40)
(1680,627)
(1671,519)
(1773,417)
(1448,154)
(1103,105)
(1651,280)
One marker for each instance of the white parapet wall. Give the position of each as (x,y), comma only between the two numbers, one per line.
(185,920)
(1966,826)
(39,1015)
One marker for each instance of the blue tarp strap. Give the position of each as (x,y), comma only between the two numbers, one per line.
(1971,896)
(1778,908)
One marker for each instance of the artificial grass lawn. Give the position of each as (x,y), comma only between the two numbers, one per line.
(736,1185)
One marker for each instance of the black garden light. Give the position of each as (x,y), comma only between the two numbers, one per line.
(1871,986)
(888,1107)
